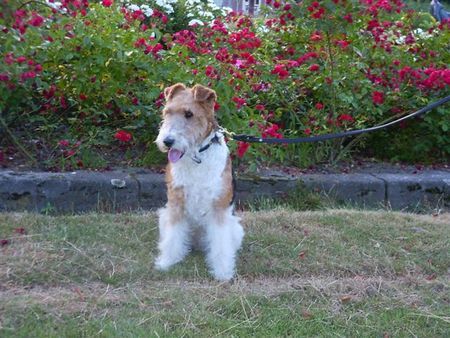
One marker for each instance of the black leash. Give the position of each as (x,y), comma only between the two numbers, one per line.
(254,139)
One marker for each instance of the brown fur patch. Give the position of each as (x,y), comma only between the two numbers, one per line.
(226,198)
(175,198)
(204,94)
(203,121)
(169,92)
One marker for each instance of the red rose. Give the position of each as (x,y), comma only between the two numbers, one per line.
(239,102)
(63,143)
(342,43)
(123,136)
(314,67)
(348,18)
(377,97)
(4,77)
(21,59)
(36,20)
(316,36)
(281,71)
(210,72)
(107,3)
(242,148)
(319,13)
(27,75)
(345,117)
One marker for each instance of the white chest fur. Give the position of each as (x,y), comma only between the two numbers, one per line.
(201,182)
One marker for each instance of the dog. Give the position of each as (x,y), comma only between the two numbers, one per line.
(199,209)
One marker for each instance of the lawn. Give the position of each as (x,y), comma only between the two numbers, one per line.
(321,273)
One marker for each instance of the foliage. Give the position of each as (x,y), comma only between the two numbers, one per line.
(82,71)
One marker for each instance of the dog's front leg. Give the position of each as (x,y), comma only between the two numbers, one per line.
(223,236)
(173,239)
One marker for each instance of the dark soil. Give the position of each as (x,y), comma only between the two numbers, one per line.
(128,156)
(355,166)
(55,159)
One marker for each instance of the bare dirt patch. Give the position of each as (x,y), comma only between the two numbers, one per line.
(92,297)
(441,219)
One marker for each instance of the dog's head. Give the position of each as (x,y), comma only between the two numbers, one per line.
(188,118)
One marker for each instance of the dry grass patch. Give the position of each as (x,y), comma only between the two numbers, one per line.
(321,273)
(335,293)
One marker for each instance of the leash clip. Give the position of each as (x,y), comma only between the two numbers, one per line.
(196,159)
(230,134)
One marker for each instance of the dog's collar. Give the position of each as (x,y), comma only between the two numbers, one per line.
(214,139)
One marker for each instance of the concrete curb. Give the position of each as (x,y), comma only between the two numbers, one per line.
(123,190)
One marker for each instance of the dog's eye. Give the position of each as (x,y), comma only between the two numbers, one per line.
(188,114)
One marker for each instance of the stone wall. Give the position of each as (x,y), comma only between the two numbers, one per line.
(124,190)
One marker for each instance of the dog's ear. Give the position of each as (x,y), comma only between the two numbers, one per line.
(170,92)
(204,94)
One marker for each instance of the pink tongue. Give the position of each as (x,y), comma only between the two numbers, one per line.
(174,155)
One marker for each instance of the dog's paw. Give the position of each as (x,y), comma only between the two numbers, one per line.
(162,264)
(223,275)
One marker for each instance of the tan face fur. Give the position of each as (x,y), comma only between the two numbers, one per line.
(188,118)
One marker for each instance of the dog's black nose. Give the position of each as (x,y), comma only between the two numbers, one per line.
(168,141)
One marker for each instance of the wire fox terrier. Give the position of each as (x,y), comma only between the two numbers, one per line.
(199,210)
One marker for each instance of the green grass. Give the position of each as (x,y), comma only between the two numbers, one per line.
(322,273)
(298,199)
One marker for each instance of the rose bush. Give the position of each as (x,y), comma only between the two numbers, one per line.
(93,74)
(358,64)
